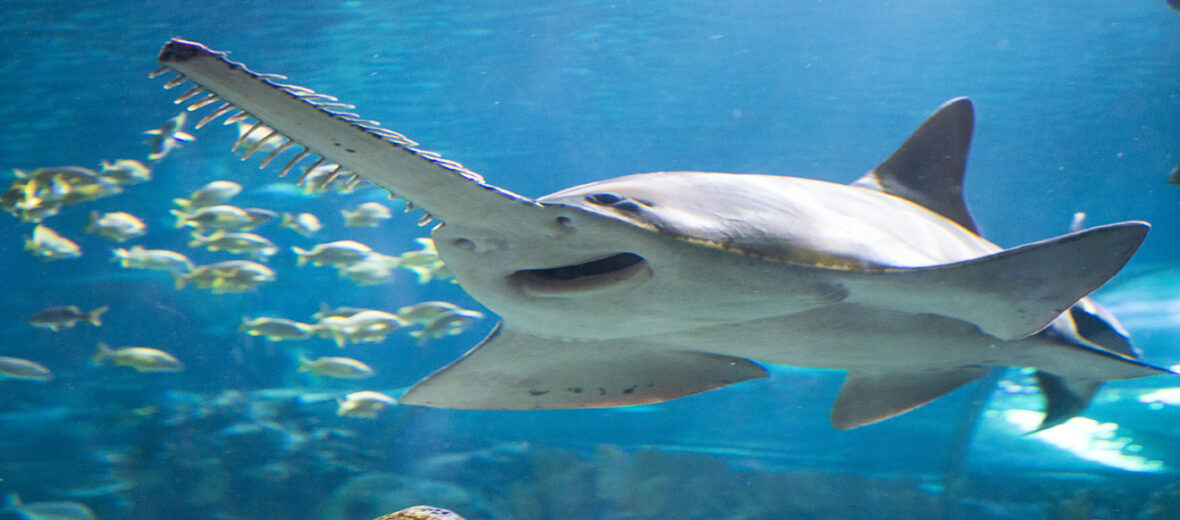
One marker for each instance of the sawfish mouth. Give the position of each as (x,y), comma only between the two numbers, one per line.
(608,273)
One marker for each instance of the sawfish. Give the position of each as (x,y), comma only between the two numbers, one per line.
(655,286)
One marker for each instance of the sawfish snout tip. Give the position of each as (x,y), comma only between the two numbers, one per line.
(178,49)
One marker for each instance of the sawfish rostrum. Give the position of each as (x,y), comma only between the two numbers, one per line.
(655,286)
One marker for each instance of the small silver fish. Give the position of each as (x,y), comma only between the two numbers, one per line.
(338,367)
(338,312)
(209,218)
(115,226)
(17,368)
(305,224)
(367,326)
(368,272)
(366,404)
(63,185)
(233,276)
(451,323)
(237,243)
(125,171)
(164,139)
(276,329)
(74,175)
(47,245)
(212,194)
(142,359)
(426,312)
(338,253)
(259,216)
(155,259)
(57,318)
(326,179)
(368,214)
(251,135)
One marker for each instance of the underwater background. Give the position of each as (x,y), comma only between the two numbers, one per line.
(1076,103)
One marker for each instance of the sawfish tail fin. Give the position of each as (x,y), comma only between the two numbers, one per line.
(1087,325)
(1086,329)
(1064,398)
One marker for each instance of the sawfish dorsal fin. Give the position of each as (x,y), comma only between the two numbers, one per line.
(927,169)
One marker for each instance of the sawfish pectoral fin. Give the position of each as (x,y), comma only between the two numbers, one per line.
(1016,292)
(515,371)
(866,398)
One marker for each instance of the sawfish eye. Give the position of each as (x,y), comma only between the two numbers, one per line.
(604,199)
(618,202)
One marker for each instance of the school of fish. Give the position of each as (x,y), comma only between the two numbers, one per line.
(215,224)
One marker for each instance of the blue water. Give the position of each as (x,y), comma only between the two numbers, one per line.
(1076,108)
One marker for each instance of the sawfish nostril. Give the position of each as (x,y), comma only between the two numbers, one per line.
(564,225)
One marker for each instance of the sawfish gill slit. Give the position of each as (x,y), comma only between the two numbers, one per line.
(579,279)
